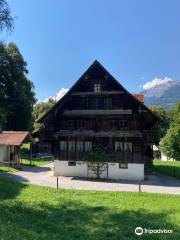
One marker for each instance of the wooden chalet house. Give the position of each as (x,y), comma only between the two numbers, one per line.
(99,111)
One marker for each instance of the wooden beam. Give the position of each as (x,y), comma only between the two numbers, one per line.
(82,94)
(97,112)
(91,133)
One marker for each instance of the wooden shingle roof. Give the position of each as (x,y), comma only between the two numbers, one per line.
(15,138)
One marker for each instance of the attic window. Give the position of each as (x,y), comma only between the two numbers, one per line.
(97,87)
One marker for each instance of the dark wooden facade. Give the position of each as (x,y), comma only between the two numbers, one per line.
(97,110)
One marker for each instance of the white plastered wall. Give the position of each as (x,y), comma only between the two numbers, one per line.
(3,150)
(133,172)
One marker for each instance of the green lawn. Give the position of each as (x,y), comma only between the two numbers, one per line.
(167,168)
(26,162)
(36,162)
(29,212)
(8,169)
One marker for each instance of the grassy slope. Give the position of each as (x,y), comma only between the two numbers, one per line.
(32,212)
(167,168)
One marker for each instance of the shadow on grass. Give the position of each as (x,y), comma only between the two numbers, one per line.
(72,220)
(9,188)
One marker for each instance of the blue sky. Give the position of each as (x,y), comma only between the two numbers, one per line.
(136,40)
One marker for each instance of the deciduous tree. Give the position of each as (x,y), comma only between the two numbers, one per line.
(17,95)
(39,110)
(170,144)
(6,19)
(164,120)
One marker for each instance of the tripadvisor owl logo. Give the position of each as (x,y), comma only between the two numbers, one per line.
(138,231)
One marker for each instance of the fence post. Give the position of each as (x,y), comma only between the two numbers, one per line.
(139,187)
(174,172)
(57,182)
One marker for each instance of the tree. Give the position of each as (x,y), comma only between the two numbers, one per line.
(164,120)
(38,111)
(97,160)
(17,95)
(170,144)
(6,20)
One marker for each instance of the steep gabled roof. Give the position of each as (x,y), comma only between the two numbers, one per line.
(95,63)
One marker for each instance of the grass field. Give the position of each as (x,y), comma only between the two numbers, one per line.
(36,162)
(29,212)
(167,168)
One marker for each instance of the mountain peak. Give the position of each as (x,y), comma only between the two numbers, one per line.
(165,94)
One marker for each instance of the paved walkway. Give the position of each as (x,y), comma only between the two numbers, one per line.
(44,176)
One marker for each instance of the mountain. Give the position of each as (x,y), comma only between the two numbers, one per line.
(165,94)
(58,96)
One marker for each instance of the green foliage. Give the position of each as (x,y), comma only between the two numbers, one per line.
(32,212)
(17,92)
(97,154)
(38,111)
(170,144)
(164,120)
(6,20)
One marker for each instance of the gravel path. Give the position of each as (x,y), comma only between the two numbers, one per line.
(44,176)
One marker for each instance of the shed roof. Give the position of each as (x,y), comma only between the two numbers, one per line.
(15,138)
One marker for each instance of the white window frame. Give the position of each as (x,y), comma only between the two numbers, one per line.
(63,146)
(79,146)
(97,87)
(71,146)
(128,147)
(87,146)
(118,146)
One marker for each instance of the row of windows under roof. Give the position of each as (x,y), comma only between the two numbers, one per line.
(91,124)
(97,103)
(84,146)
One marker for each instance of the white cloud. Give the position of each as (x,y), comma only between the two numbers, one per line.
(58,96)
(156,81)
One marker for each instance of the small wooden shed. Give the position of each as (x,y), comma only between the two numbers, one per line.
(10,143)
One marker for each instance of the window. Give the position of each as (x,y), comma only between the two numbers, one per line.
(79,146)
(87,103)
(118,124)
(123,165)
(113,124)
(80,124)
(122,124)
(71,164)
(88,124)
(87,146)
(118,146)
(96,103)
(71,146)
(63,146)
(127,147)
(71,124)
(107,103)
(97,87)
